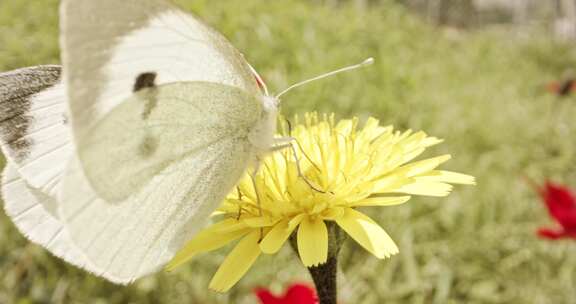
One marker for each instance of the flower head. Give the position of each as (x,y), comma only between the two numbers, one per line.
(561,204)
(297,293)
(334,169)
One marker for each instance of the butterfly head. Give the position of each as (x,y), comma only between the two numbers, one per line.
(262,135)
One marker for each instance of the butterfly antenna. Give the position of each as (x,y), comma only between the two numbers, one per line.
(366,62)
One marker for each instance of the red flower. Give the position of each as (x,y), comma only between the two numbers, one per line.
(563,88)
(561,203)
(296,294)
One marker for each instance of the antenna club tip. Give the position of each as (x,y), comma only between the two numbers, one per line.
(368,61)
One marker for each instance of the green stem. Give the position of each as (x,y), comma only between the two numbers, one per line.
(325,275)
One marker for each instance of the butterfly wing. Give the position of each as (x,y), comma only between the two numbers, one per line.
(35,214)
(115,49)
(192,149)
(132,144)
(161,107)
(33,134)
(37,143)
(109,46)
(138,236)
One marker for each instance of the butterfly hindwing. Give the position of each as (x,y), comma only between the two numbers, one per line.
(160,126)
(35,214)
(139,235)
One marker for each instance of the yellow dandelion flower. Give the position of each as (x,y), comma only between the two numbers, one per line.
(343,167)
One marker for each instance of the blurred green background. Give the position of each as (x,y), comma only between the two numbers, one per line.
(481,89)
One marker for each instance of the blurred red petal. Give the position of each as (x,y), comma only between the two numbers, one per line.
(296,294)
(301,293)
(266,297)
(561,204)
(561,88)
(553,87)
(550,234)
(571,234)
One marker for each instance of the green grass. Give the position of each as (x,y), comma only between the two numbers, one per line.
(481,91)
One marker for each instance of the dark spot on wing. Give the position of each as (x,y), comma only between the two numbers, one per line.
(148,146)
(144,81)
(147,81)
(17,90)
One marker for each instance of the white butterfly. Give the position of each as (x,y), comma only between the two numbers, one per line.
(163,117)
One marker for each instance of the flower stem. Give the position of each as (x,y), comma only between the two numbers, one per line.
(325,275)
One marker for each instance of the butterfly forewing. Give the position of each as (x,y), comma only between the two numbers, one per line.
(108,44)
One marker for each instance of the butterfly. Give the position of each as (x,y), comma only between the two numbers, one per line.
(119,156)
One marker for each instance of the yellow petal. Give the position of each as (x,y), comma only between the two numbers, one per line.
(425,188)
(413,154)
(448,177)
(422,166)
(313,241)
(207,240)
(274,239)
(345,127)
(247,188)
(381,201)
(333,213)
(237,263)
(295,221)
(368,234)
(389,183)
(217,213)
(230,226)
(431,141)
(260,221)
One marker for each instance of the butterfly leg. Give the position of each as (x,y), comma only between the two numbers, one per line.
(294,140)
(239,206)
(288,142)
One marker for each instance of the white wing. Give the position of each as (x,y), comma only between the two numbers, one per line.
(37,142)
(35,214)
(139,235)
(174,167)
(33,134)
(161,109)
(132,143)
(112,48)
